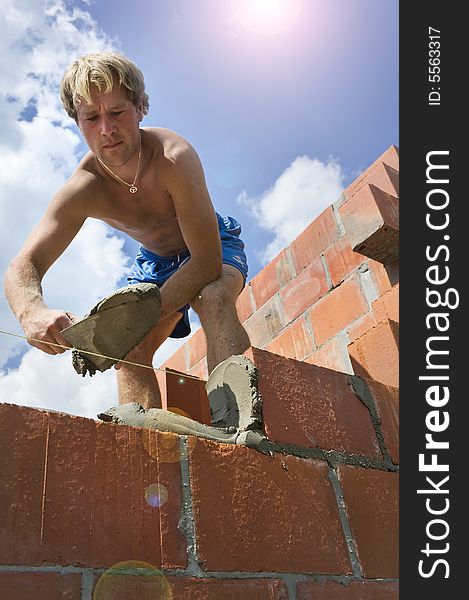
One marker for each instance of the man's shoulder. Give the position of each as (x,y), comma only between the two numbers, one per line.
(84,183)
(87,176)
(168,144)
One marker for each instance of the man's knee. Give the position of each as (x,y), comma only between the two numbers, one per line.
(214,298)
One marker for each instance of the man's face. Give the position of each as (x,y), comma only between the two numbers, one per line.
(110,125)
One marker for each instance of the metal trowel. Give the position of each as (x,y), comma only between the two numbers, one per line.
(113,327)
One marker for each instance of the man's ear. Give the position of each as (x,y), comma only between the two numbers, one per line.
(140,112)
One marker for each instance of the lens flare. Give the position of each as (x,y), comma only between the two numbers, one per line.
(266,16)
(164,446)
(132,579)
(156,494)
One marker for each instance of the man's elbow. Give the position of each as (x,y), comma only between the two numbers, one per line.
(214,271)
(12,267)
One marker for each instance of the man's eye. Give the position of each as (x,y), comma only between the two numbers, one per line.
(91,118)
(116,113)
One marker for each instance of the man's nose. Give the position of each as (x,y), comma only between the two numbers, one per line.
(108,126)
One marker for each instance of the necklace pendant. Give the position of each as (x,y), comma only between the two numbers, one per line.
(132,189)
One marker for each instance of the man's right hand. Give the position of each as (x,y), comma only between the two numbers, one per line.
(45,325)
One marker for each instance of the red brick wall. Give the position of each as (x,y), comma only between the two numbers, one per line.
(97,511)
(331,297)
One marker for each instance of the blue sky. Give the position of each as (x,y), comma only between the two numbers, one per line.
(286,102)
(250,103)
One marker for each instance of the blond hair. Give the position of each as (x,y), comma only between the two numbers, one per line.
(98,70)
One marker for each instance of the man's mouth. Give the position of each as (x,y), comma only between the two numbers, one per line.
(112,145)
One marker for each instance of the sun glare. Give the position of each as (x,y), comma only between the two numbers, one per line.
(266,16)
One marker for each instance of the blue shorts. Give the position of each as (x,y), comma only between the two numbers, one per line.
(151,268)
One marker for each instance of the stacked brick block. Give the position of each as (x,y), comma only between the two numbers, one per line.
(330,298)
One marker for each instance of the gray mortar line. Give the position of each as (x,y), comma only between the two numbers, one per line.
(332,457)
(356,568)
(291,578)
(279,304)
(330,285)
(335,212)
(290,584)
(343,340)
(61,570)
(87,580)
(186,523)
(309,327)
(251,298)
(290,263)
(367,283)
(363,393)
(66,570)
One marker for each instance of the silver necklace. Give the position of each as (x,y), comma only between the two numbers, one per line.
(132,187)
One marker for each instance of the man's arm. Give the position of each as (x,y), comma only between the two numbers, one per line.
(48,240)
(185,182)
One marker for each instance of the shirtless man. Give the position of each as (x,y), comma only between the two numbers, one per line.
(150,184)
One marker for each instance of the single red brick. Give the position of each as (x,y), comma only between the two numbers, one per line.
(186,396)
(322,232)
(196,347)
(385,178)
(353,590)
(265,323)
(371,221)
(371,501)
(390,157)
(380,276)
(387,404)
(333,355)
(23,450)
(375,354)
(293,342)
(361,326)
(387,306)
(178,360)
(227,589)
(244,305)
(40,586)
(342,260)
(337,310)
(304,290)
(245,502)
(381,175)
(271,278)
(78,492)
(311,406)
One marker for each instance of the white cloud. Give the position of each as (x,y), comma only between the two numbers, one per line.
(299,195)
(50,382)
(45,381)
(38,41)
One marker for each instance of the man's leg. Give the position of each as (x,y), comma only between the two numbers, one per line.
(216,307)
(137,384)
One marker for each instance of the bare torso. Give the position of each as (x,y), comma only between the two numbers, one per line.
(149,215)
